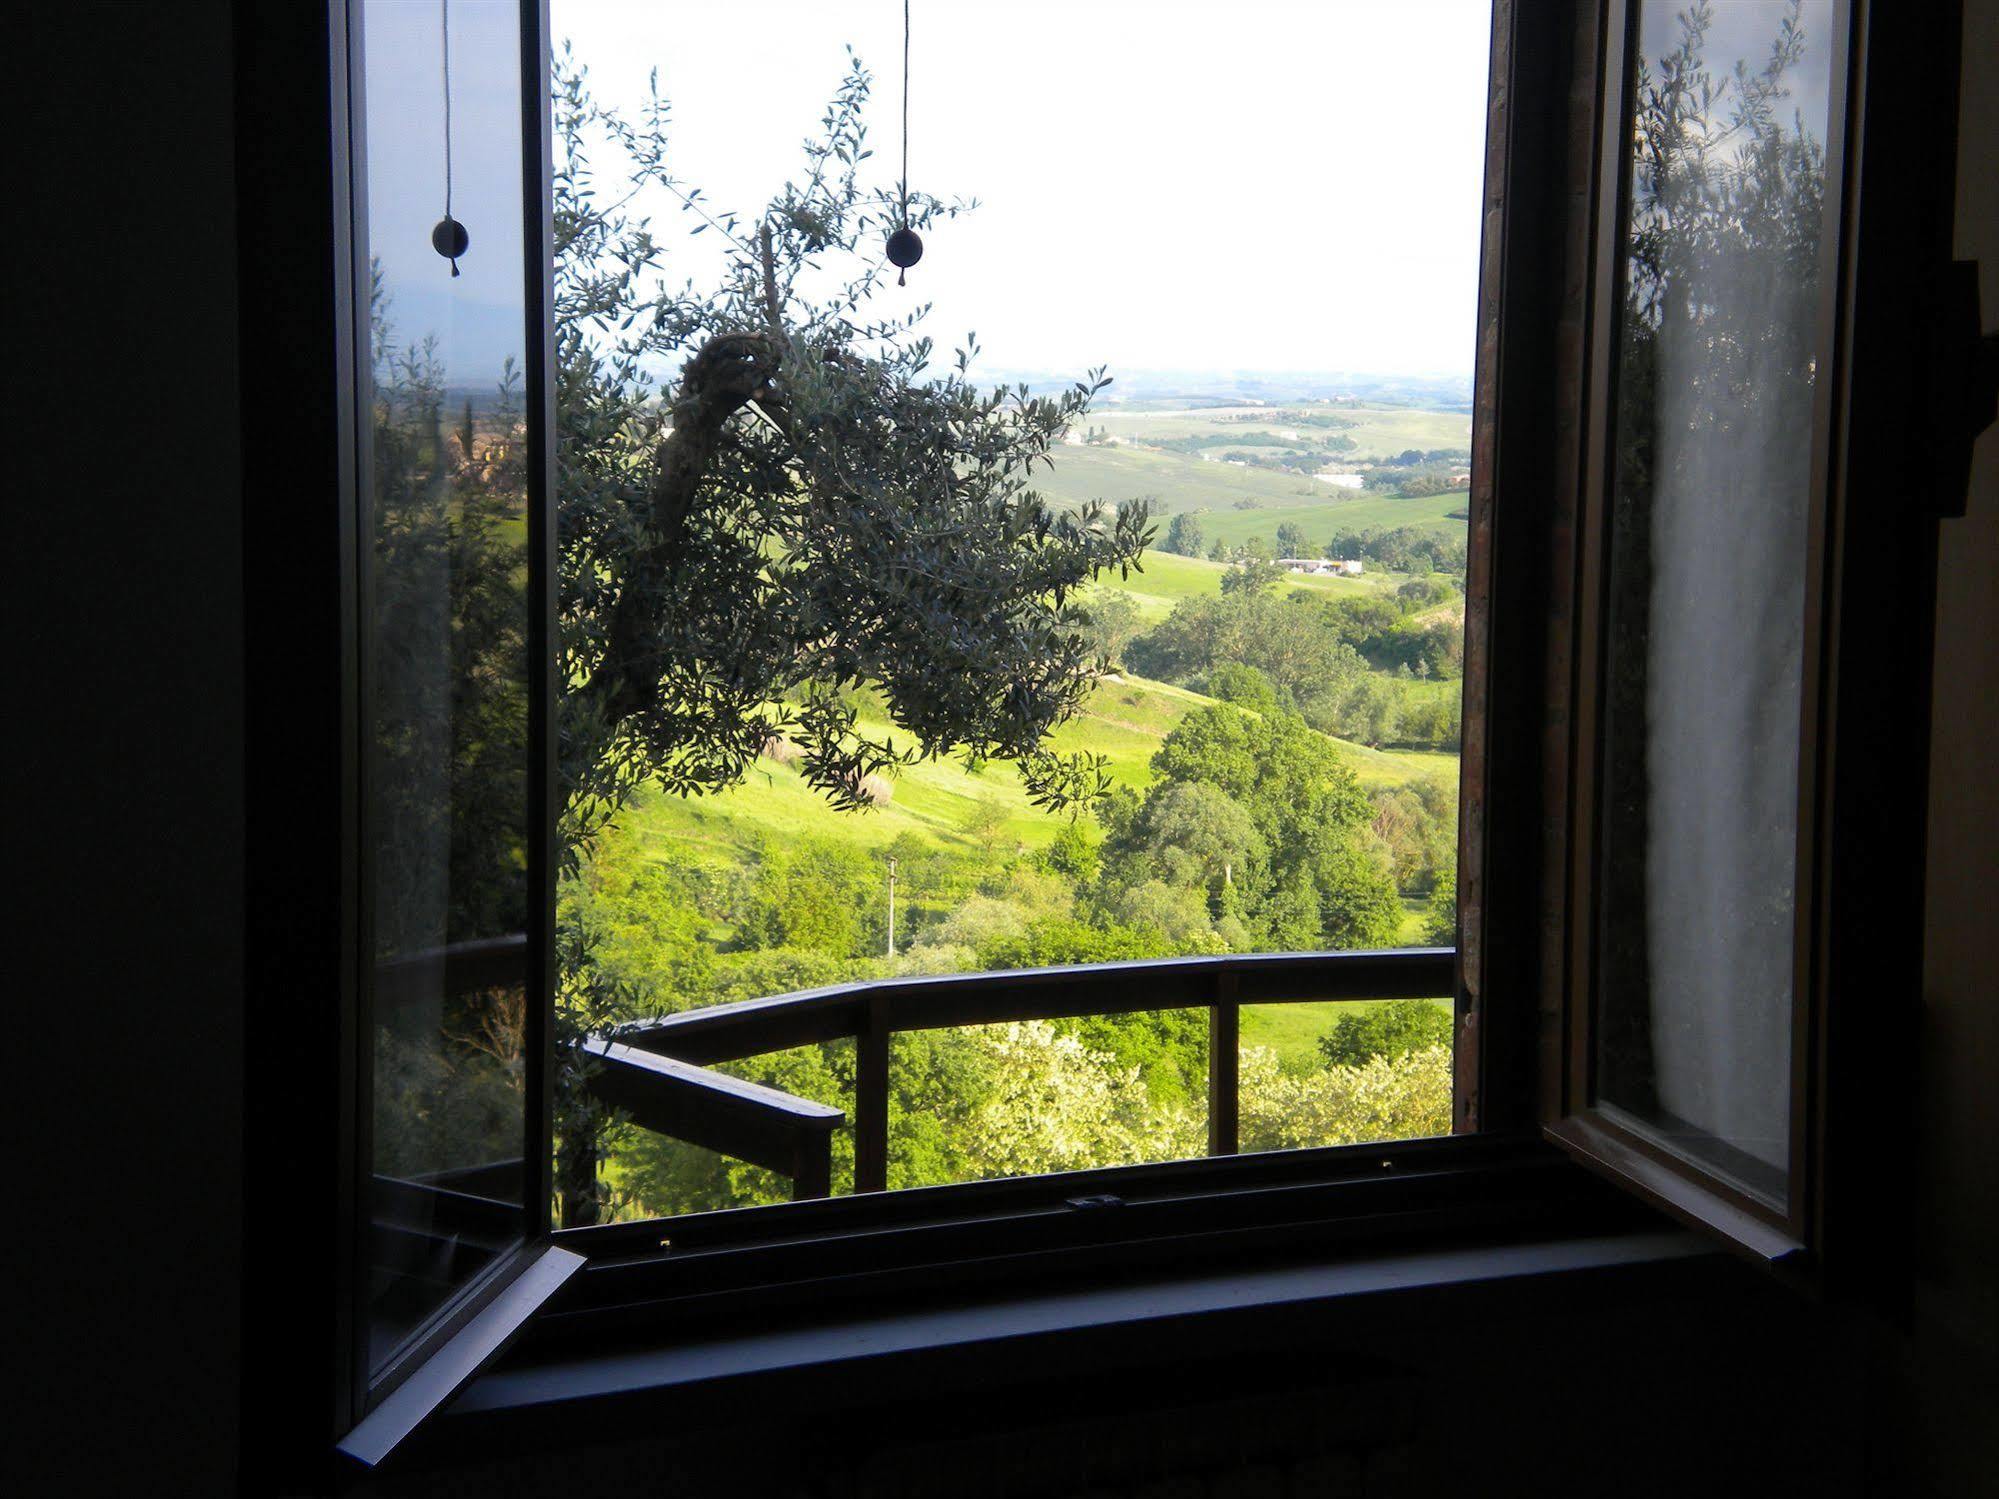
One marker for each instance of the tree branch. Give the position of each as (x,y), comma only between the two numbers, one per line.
(723,375)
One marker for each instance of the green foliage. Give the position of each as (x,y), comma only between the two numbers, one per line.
(1252,575)
(1261,815)
(1440,926)
(1035,1099)
(1402,549)
(1183,534)
(1390,1028)
(1073,853)
(1108,620)
(821,896)
(1403,1098)
(1388,632)
(1417,825)
(1053,942)
(1425,592)
(1244,686)
(1290,641)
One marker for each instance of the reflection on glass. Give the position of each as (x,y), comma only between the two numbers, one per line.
(446,657)
(1344,1072)
(1717,356)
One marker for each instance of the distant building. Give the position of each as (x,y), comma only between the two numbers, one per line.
(1342,481)
(1322,567)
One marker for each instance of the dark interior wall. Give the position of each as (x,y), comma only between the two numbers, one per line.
(1957,1298)
(126,817)
(125,821)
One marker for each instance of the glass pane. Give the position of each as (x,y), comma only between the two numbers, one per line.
(447,672)
(1717,356)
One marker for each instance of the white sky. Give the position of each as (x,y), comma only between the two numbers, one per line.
(1164,184)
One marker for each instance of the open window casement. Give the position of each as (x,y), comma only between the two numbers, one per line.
(1744,850)
(447,107)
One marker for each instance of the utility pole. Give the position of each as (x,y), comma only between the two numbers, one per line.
(891,905)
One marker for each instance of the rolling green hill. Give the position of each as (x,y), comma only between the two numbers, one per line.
(1167,579)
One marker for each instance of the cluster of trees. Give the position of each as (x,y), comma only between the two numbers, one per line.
(1404,549)
(1411,483)
(1294,450)
(1184,535)
(1282,456)
(1414,628)
(1415,457)
(1355,668)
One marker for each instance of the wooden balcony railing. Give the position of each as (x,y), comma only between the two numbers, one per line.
(659,1071)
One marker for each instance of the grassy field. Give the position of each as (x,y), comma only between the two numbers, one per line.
(1178,458)
(1293,1031)
(1176,483)
(1374,431)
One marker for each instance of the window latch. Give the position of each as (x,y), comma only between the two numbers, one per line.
(1098,1200)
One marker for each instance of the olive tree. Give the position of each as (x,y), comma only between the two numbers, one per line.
(771,497)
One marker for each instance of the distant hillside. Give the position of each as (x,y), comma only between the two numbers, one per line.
(1225,387)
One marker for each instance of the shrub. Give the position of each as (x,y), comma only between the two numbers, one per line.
(1390,1028)
(1403,1098)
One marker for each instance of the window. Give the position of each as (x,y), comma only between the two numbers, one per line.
(1627,382)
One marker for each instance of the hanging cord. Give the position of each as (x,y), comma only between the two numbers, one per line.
(444,26)
(900,276)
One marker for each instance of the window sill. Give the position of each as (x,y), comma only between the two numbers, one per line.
(830,1347)
(1044,1333)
